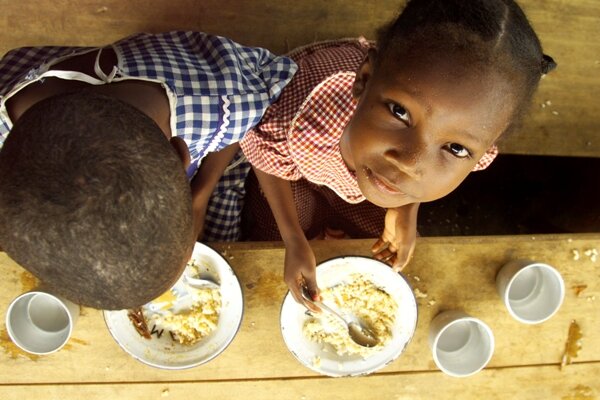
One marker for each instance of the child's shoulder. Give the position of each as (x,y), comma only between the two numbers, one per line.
(318,61)
(350,46)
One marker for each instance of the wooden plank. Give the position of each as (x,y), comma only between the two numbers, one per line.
(577,382)
(568,125)
(563,119)
(455,272)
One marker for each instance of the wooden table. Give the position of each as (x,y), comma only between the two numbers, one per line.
(455,273)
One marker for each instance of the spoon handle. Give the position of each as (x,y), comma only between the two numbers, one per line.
(322,306)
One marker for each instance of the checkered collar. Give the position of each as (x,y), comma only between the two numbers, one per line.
(315,133)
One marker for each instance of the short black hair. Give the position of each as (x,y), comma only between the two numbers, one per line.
(94,201)
(495,33)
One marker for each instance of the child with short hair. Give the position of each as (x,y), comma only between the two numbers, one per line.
(96,144)
(364,133)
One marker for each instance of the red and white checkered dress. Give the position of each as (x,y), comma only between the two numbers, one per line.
(298,137)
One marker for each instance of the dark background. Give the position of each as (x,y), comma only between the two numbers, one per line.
(520,195)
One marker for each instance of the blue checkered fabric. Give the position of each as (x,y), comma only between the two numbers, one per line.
(220,88)
(224,213)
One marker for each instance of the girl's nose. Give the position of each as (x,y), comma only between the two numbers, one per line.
(406,161)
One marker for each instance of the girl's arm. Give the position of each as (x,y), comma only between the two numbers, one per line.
(300,263)
(397,243)
(204,183)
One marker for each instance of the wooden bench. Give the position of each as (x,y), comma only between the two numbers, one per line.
(565,115)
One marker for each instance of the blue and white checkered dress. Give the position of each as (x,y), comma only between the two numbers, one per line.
(217,90)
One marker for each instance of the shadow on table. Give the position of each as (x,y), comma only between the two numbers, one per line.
(520,195)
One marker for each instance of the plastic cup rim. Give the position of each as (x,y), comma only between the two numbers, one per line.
(13,337)
(434,346)
(512,279)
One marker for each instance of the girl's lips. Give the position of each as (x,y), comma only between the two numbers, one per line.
(382,185)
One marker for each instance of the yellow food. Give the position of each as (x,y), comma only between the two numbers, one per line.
(360,297)
(192,325)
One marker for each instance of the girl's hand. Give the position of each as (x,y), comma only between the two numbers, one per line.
(397,243)
(300,269)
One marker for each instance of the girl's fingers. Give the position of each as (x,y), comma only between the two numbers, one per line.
(296,292)
(398,265)
(379,245)
(384,255)
(403,259)
(393,262)
(313,289)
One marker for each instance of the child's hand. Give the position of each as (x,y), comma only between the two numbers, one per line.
(397,243)
(204,183)
(301,270)
(198,217)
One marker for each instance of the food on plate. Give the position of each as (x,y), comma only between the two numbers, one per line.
(192,325)
(188,313)
(362,298)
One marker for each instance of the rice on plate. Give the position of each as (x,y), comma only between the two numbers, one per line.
(372,291)
(186,326)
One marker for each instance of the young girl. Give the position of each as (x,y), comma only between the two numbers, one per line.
(365,134)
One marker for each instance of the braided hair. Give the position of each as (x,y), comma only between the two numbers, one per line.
(492,33)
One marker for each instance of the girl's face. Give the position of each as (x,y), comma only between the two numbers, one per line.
(420,127)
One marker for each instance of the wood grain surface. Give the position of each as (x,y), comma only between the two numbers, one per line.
(563,120)
(454,273)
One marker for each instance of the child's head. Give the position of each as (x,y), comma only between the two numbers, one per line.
(94,201)
(449,77)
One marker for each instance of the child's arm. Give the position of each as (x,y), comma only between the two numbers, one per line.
(204,183)
(300,263)
(397,243)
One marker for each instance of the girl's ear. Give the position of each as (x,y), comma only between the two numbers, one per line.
(364,73)
(182,151)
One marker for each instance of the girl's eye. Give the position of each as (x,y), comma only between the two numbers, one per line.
(399,112)
(458,151)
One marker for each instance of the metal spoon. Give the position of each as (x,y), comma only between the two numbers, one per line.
(360,334)
(198,282)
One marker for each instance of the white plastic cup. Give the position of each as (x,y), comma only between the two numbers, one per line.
(461,345)
(531,291)
(41,323)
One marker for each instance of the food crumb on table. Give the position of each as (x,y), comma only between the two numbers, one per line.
(578,289)
(572,345)
(592,254)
